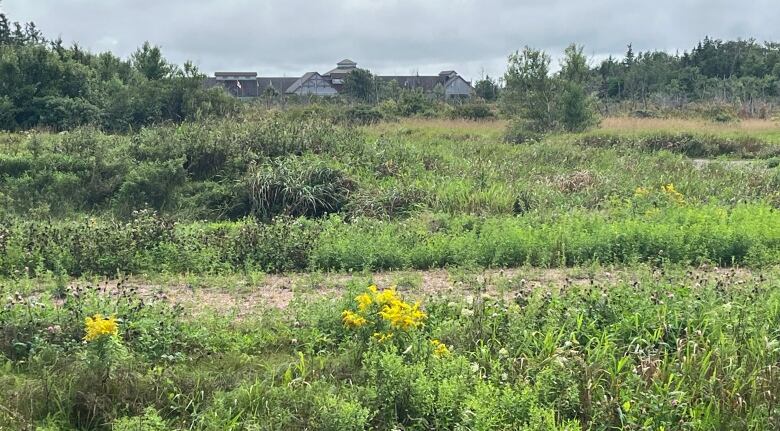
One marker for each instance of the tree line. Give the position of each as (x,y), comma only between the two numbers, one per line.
(743,72)
(44,83)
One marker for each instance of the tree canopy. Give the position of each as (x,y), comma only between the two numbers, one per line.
(45,84)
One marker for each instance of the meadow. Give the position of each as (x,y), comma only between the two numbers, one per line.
(277,271)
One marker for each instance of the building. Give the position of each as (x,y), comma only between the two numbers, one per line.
(239,84)
(248,84)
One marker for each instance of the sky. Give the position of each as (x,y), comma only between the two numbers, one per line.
(473,37)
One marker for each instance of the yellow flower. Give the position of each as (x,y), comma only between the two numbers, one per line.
(364,301)
(641,191)
(97,326)
(439,349)
(673,193)
(352,319)
(378,336)
(387,297)
(402,315)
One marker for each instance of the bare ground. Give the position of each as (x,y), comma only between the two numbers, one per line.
(244,296)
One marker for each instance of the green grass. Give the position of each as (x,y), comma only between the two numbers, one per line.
(391,170)
(645,229)
(218,211)
(667,349)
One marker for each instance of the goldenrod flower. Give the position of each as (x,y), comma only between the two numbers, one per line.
(402,315)
(387,297)
(641,191)
(439,349)
(352,319)
(97,326)
(393,309)
(364,301)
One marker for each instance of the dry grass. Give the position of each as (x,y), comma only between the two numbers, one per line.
(626,124)
(440,127)
(244,298)
(486,131)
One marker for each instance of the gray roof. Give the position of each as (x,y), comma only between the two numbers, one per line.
(339,71)
(289,85)
(297,84)
(343,67)
(247,74)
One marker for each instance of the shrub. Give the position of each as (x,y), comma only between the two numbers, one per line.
(149,421)
(520,132)
(577,108)
(474,110)
(362,115)
(150,184)
(689,144)
(297,186)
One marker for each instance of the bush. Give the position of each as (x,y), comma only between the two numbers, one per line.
(297,186)
(362,115)
(474,110)
(150,184)
(520,132)
(689,144)
(149,421)
(577,111)
(657,228)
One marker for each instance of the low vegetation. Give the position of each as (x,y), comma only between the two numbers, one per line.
(668,350)
(675,345)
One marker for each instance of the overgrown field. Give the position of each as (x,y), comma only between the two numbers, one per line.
(283,192)
(659,350)
(103,235)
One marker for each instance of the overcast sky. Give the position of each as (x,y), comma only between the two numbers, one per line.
(290,37)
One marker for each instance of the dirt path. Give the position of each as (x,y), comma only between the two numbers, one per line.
(244,296)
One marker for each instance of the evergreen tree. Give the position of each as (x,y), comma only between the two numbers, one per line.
(576,110)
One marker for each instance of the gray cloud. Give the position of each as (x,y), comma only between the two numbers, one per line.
(289,37)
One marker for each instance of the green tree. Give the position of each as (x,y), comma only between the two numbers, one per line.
(148,61)
(360,85)
(576,111)
(486,88)
(5,30)
(529,91)
(574,67)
